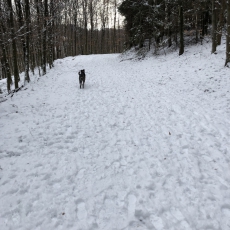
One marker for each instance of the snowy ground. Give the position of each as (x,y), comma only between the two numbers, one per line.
(144,146)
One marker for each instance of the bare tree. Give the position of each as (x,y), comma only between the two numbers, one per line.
(27,36)
(44,58)
(214,26)
(114,25)
(228,34)
(85,19)
(4,60)
(220,24)
(14,47)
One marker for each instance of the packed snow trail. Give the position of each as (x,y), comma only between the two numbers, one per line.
(144,146)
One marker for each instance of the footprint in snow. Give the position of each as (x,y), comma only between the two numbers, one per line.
(131,205)
(80,173)
(81,210)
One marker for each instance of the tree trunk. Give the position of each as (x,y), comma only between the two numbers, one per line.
(32,58)
(75,35)
(181,28)
(50,34)
(21,24)
(220,24)
(168,27)
(4,60)
(103,24)
(85,4)
(214,27)
(27,45)
(91,12)
(38,41)
(14,47)
(228,34)
(114,27)
(196,25)
(44,37)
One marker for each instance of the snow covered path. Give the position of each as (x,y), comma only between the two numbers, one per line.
(144,146)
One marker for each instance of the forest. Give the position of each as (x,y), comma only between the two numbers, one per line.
(34,33)
(167,22)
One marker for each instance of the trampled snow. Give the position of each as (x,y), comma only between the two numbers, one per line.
(144,146)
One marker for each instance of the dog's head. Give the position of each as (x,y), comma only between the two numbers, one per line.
(81,72)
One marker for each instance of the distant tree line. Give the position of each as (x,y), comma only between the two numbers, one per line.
(34,33)
(164,22)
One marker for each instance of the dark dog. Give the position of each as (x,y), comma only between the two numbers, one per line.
(81,78)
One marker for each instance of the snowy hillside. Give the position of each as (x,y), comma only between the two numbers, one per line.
(144,146)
